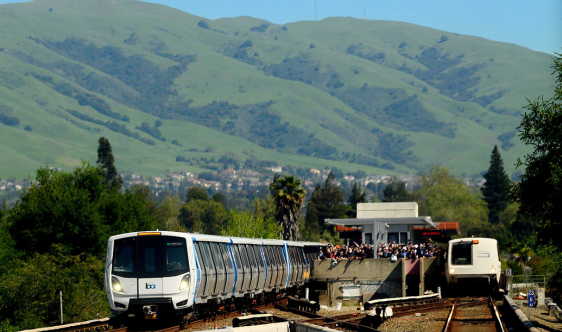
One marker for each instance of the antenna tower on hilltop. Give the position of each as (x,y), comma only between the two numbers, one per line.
(315,12)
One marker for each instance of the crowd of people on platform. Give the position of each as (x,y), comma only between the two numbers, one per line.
(390,250)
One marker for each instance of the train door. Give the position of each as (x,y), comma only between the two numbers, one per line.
(294,267)
(219,267)
(284,265)
(229,267)
(202,271)
(261,266)
(307,264)
(149,266)
(239,267)
(253,266)
(276,267)
(247,273)
(209,267)
(271,268)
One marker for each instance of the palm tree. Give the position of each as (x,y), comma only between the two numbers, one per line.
(288,195)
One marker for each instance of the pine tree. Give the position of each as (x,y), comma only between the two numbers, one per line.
(358,195)
(497,187)
(325,202)
(105,161)
(396,192)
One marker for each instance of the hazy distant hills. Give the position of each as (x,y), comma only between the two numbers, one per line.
(168,88)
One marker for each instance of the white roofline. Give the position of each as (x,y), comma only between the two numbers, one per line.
(425,221)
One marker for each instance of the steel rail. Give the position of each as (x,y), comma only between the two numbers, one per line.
(491,321)
(446,327)
(329,321)
(496,314)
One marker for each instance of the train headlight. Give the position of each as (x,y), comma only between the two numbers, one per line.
(493,270)
(452,271)
(116,284)
(184,282)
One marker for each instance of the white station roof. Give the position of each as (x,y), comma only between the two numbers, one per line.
(424,221)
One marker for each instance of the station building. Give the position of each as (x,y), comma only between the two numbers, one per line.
(392,222)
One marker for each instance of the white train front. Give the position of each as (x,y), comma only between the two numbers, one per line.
(471,259)
(152,274)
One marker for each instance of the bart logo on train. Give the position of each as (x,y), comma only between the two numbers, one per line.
(150,286)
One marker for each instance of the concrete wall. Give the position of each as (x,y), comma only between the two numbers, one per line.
(387,210)
(377,278)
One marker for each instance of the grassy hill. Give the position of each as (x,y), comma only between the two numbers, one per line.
(163,85)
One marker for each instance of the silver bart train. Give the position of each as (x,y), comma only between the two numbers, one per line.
(153,274)
(473,259)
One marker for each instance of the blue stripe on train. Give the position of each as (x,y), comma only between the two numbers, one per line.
(196,268)
(233,264)
(288,262)
(264,264)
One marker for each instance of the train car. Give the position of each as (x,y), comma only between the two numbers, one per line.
(473,259)
(159,273)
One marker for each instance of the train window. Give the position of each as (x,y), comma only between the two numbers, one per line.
(223,247)
(124,257)
(176,256)
(301,255)
(206,256)
(251,257)
(259,256)
(216,256)
(281,256)
(273,256)
(462,253)
(199,256)
(267,254)
(149,258)
(292,255)
(243,256)
(238,260)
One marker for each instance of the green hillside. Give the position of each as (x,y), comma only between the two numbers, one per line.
(163,85)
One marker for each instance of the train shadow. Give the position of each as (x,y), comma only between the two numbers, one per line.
(469,289)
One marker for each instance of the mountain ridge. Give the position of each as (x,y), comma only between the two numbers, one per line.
(313,94)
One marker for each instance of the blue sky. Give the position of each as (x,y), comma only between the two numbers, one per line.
(534,24)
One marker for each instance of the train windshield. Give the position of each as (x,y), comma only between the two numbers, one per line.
(150,257)
(462,253)
(123,257)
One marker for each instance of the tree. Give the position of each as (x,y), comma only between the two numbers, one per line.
(105,161)
(325,202)
(358,195)
(446,198)
(540,189)
(396,192)
(197,193)
(75,209)
(288,195)
(203,216)
(219,198)
(497,187)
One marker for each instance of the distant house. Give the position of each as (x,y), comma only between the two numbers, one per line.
(349,178)
(314,171)
(277,169)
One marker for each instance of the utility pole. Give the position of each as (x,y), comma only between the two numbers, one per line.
(61,320)
(315,12)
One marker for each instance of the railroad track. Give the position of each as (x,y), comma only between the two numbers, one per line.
(341,322)
(480,314)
